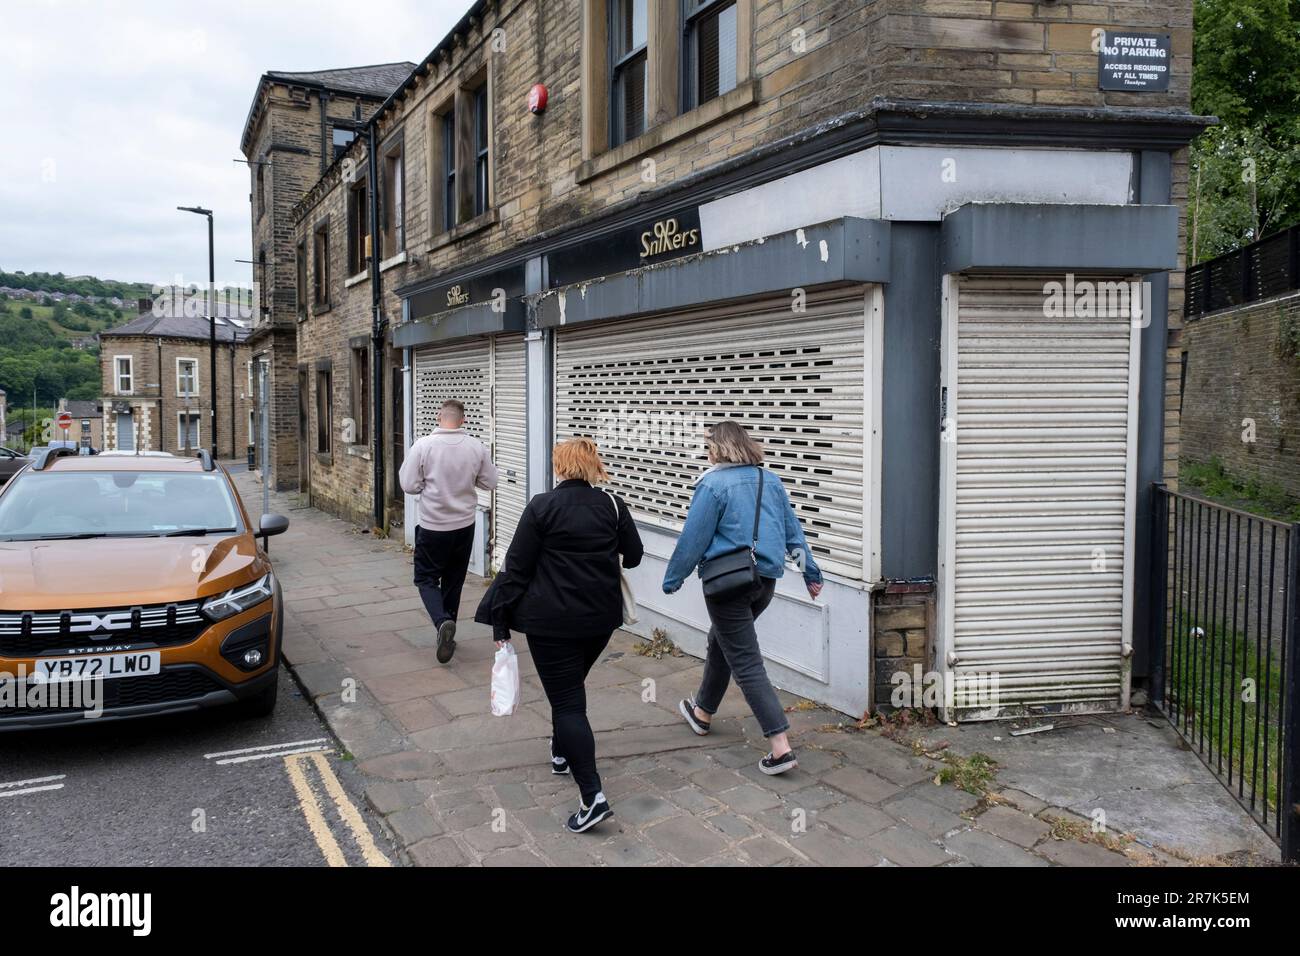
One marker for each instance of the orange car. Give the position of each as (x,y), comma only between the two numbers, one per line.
(138,580)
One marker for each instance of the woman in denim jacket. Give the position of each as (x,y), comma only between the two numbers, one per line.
(721,519)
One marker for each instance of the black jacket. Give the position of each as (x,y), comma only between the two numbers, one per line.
(561,573)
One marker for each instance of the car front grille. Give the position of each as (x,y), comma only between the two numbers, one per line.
(31,633)
(170,686)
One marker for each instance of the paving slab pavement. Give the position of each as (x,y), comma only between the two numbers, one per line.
(457,786)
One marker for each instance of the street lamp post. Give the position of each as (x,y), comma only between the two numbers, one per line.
(212,322)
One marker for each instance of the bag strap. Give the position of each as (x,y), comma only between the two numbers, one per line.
(617,517)
(758,505)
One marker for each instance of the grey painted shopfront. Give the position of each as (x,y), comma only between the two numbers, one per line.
(885,316)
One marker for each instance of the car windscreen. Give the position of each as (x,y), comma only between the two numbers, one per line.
(115,504)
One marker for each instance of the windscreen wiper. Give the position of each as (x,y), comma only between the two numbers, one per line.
(195,532)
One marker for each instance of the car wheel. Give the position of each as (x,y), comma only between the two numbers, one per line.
(261,704)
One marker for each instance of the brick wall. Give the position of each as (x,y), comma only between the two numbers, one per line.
(1245,364)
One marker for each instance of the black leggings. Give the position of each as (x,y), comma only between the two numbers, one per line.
(563,664)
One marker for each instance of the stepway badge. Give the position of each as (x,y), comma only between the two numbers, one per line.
(1134,62)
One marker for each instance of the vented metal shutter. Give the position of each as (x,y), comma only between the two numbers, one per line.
(645,389)
(1039,501)
(488,376)
(460,370)
(509,440)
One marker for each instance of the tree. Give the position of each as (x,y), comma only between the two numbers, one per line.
(1246,71)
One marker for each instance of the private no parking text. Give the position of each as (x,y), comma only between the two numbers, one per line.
(1134,62)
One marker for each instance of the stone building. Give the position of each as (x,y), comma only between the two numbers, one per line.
(157,388)
(87,422)
(297,125)
(927,252)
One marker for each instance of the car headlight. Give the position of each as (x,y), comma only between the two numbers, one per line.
(237,600)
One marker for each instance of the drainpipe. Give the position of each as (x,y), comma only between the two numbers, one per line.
(377,330)
(323,99)
(232,399)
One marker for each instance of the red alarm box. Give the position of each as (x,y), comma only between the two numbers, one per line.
(537,97)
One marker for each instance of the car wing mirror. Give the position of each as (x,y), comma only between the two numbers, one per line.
(272,525)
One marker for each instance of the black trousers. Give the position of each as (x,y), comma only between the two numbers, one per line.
(562,665)
(441,562)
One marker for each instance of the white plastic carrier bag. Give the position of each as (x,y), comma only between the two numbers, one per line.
(505,681)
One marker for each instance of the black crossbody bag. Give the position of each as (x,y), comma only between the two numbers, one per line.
(734,572)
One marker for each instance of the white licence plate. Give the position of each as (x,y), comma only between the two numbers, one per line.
(53,670)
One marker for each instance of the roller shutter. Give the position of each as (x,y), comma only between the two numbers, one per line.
(1039,492)
(646,388)
(488,376)
(509,440)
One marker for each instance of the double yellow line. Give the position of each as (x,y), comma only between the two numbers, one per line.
(310,804)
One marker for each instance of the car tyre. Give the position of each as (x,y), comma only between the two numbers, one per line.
(261,704)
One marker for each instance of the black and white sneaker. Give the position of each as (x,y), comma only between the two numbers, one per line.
(559,765)
(588,817)
(687,709)
(773,765)
(446,640)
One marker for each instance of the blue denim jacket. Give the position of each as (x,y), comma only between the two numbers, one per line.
(721,519)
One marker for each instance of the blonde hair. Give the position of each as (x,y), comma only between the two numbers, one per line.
(729,442)
(579,458)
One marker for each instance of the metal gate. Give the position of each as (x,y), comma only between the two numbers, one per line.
(1225,657)
(1036,529)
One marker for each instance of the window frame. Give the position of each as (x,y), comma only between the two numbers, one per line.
(321,292)
(359,387)
(692,13)
(299,291)
(392,197)
(197,418)
(130,375)
(447,180)
(340,148)
(324,408)
(180,393)
(616,66)
(358,210)
(482,148)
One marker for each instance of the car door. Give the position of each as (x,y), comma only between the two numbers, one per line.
(10,464)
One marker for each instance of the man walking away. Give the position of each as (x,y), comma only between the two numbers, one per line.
(444,469)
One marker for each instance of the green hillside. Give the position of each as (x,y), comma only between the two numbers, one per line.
(39,358)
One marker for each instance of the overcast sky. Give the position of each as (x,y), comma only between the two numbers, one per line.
(118,111)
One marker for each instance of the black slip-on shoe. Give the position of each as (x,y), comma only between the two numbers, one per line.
(446,640)
(774,765)
(588,817)
(687,709)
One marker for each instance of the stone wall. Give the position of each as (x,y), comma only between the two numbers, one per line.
(1243,368)
(902,623)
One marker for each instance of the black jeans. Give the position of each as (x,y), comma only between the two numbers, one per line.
(563,664)
(441,561)
(733,650)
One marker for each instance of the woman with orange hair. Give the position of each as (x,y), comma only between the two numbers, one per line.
(561,587)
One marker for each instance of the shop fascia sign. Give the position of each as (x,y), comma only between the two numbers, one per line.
(669,235)
(494,288)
